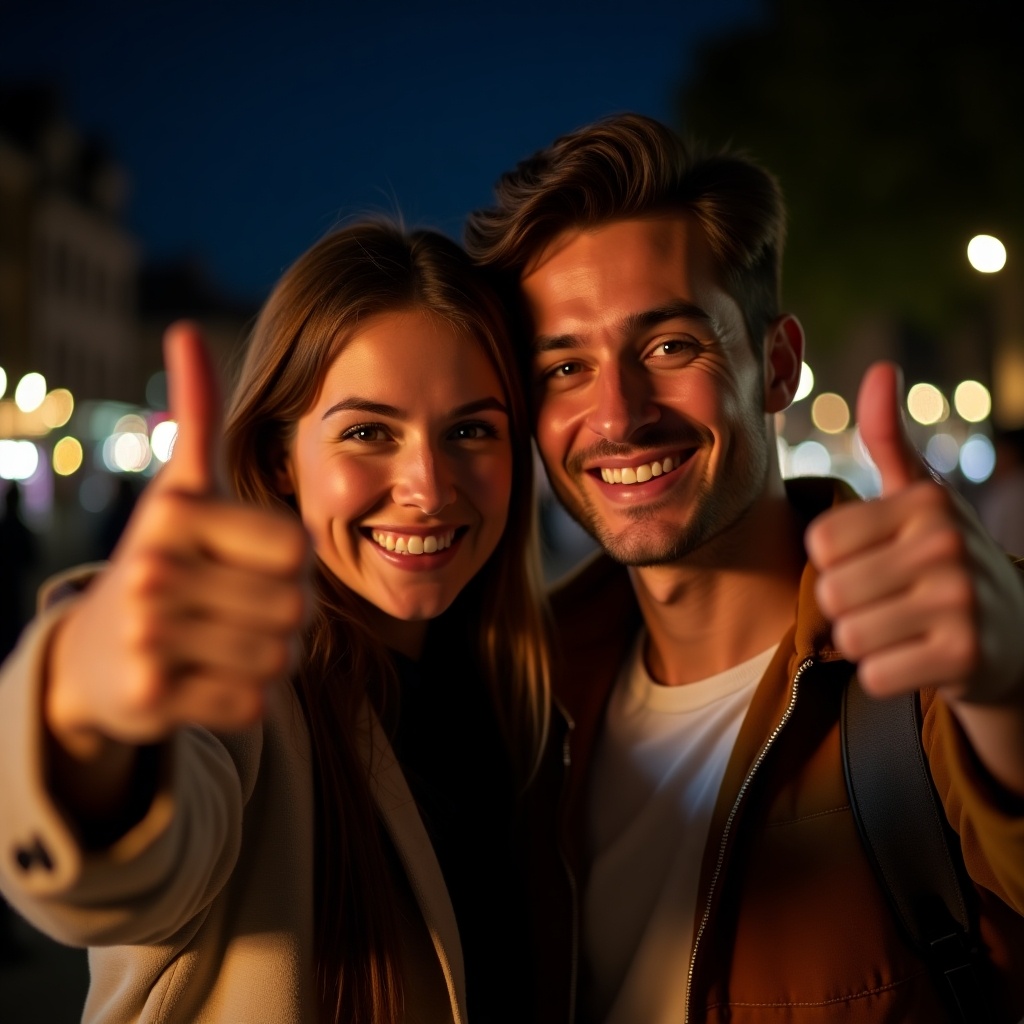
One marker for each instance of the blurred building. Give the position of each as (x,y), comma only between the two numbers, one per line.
(69,266)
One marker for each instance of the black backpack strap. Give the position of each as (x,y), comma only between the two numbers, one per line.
(903,828)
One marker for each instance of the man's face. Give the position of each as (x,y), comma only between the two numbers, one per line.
(650,399)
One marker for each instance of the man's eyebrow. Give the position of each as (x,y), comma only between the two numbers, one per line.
(490,403)
(633,323)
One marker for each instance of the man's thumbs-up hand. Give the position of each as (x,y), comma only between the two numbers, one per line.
(201,607)
(917,593)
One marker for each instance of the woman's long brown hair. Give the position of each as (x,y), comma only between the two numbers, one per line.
(351,275)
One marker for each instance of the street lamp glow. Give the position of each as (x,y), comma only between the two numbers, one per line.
(986,254)
(30,392)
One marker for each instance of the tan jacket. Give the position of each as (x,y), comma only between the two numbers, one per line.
(203,912)
(791,924)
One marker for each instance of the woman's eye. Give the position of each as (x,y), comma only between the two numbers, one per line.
(473,431)
(365,432)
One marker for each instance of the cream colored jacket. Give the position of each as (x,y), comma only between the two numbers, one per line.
(203,912)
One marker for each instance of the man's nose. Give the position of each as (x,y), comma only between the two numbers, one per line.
(424,480)
(623,403)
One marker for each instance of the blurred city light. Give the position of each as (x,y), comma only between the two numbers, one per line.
(972,401)
(986,254)
(162,440)
(830,413)
(3,382)
(806,385)
(127,452)
(809,458)
(942,453)
(18,459)
(30,392)
(977,458)
(67,456)
(96,492)
(57,408)
(926,404)
(130,424)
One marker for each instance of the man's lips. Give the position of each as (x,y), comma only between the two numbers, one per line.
(636,472)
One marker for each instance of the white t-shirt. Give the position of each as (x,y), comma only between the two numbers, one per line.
(657,770)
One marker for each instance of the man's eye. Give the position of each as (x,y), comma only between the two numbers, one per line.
(564,370)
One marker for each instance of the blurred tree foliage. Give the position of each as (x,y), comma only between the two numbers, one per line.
(897,131)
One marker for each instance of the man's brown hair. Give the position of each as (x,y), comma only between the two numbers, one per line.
(629,166)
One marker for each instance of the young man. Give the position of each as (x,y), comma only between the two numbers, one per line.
(704,654)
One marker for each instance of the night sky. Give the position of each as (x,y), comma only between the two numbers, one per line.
(247,137)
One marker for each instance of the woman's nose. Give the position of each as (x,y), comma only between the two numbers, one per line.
(424,481)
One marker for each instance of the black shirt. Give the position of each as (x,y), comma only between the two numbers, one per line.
(455,760)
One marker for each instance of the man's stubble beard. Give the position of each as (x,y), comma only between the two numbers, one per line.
(712,512)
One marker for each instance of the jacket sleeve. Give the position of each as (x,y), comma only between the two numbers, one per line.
(989,822)
(152,881)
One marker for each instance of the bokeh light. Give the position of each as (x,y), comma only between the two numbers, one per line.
(926,404)
(162,440)
(986,254)
(977,458)
(830,413)
(806,385)
(30,392)
(57,408)
(67,456)
(972,401)
(809,458)
(96,492)
(3,382)
(127,452)
(942,453)
(18,459)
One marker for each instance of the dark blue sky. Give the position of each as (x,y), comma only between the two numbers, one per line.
(246,137)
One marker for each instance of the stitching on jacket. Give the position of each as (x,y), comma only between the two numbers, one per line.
(807,817)
(829,1002)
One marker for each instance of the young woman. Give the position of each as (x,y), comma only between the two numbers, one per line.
(351,856)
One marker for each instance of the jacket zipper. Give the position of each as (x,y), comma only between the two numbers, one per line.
(804,665)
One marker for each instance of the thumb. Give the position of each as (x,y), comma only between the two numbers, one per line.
(880,421)
(194,400)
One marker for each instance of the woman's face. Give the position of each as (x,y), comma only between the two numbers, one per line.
(402,469)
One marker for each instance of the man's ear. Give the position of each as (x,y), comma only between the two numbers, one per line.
(783,361)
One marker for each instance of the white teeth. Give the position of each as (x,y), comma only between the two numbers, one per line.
(638,474)
(414,544)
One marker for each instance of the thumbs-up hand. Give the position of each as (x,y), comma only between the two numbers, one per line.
(201,607)
(917,593)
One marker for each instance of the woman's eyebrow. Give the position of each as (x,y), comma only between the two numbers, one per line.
(365,405)
(393,412)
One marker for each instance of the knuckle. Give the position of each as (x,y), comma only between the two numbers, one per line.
(849,637)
